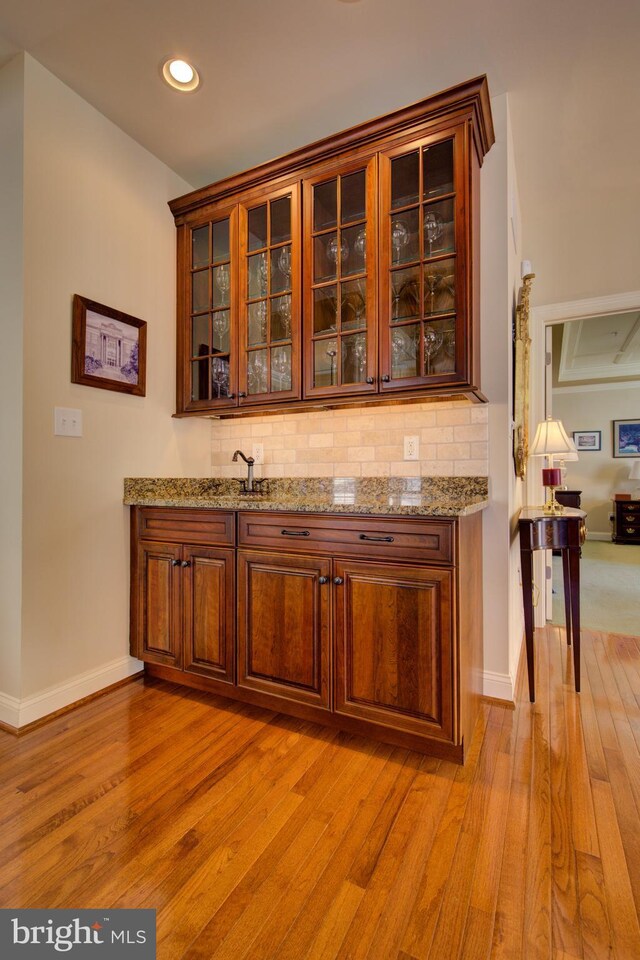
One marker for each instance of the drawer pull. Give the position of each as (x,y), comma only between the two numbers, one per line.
(295,533)
(630,530)
(364,536)
(630,519)
(323,580)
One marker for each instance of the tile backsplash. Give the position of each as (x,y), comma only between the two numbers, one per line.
(360,442)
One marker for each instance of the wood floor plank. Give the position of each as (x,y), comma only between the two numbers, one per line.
(270,838)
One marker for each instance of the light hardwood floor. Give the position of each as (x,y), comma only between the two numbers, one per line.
(260,836)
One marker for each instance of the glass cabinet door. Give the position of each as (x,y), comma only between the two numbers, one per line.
(212,310)
(339,281)
(422,249)
(269,329)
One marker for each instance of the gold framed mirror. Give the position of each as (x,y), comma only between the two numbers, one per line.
(521,352)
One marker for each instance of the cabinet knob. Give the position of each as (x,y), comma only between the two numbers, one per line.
(369,379)
(242,393)
(323,579)
(175,563)
(231,396)
(338,581)
(186,563)
(385,378)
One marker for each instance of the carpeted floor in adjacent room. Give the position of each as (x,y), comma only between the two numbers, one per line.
(609,588)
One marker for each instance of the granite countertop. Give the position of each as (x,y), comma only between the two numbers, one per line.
(376,496)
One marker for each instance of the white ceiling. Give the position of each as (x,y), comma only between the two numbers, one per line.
(278,74)
(599,349)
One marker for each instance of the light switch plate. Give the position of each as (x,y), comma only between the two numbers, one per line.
(67,422)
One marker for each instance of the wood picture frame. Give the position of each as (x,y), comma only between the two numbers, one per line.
(521,363)
(108,348)
(626,438)
(587,441)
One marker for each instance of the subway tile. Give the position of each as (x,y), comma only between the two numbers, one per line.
(447,418)
(361,422)
(361,453)
(351,439)
(479,451)
(261,429)
(405,468)
(284,428)
(452,451)
(321,440)
(375,469)
(388,452)
(471,432)
(320,469)
(347,470)
(437,468)
(471,468)
(436,435)
(480,413)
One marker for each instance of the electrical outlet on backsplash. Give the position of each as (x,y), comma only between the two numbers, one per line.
(360,442)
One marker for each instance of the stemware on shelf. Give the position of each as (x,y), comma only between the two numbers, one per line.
(433,340)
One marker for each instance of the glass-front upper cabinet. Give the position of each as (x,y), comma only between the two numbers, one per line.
(269,281)
(211,306)
(422,284)
(340,281)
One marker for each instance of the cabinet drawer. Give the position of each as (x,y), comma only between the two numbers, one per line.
(395,539)
(186,525)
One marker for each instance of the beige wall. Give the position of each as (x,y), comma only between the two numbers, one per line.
(599,475)
(96,223)
(362,442)
(11,285)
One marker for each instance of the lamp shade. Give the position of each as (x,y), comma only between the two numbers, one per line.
(571,455)
(551,440)
(634,473)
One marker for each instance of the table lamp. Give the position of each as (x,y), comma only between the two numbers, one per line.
(551,441)
(634,473)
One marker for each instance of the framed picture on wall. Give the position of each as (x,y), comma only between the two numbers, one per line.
(108,349)
(587,440)
(626,438)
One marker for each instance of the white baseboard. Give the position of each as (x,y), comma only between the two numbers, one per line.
(18,713)
(598,536)
(497,685)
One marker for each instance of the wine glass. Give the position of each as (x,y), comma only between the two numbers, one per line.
(284,262)
(285,317)
(219,376)
(360,244)
(450,343)
(433,228)
(399,238)
(432,281)
(433,340)
(360,351)
(337,249)
(223,281)
(332,352)
(221,329)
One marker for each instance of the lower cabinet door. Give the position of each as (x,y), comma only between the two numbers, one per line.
(283,625)
(393,646)
(158,602)
(208,599)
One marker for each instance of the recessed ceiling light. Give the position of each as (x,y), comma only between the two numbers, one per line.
(180,75)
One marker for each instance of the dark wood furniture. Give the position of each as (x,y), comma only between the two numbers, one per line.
(370,624)
(569,498)
(347,270)
(626,521)
(564,532)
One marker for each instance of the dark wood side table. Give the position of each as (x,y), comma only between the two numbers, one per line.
(546,531)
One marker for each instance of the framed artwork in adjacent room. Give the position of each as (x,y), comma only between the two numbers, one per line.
(587,440)
(108,349)
(626,438)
